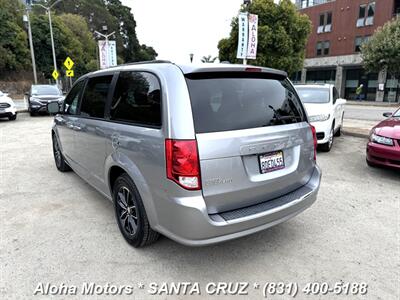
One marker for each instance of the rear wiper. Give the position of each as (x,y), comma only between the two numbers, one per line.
(277,115)
(281,119)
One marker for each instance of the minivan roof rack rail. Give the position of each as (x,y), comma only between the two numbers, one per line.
(147,62)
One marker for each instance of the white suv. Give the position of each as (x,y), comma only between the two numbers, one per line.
(7,107)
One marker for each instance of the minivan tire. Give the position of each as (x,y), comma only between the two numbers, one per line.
(129,208)
(13,118)
(59,160)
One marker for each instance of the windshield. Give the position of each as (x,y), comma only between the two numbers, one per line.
(224,103)
(397,113)
(313,95)
(45,90)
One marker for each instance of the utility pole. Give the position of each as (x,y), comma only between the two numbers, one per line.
(31,45)
(48,9)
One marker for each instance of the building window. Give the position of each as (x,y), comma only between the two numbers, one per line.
(370,14)
(366,15)
(326,47)
(296,77)
(323,48)
(321,76)
(325,22)
(359,41)
(357,77)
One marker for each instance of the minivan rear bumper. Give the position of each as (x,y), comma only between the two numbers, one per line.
(191,224)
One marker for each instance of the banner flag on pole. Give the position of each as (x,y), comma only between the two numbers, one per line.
(243,35)
(112,54)
(253,37)
(103,53)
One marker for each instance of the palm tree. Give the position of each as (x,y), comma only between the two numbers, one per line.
(208,59)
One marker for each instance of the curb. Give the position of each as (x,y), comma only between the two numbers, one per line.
(376,104)
(355,132)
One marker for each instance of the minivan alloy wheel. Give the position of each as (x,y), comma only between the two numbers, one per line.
(127,212)
(130,213)
(57,154)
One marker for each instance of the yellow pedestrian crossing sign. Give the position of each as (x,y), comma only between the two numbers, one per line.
(55,74)
(70,73)
(68,63)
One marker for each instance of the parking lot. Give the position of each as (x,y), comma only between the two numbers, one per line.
(57,229)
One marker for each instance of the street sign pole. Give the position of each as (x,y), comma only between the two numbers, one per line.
(68,63)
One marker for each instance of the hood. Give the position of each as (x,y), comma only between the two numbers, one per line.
(6,99)
(47,97)
(314,109)
(389,128)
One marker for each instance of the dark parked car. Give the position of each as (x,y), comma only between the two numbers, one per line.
(384,142)
(40,95)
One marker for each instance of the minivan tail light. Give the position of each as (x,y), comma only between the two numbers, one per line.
(183,164)
(314,133)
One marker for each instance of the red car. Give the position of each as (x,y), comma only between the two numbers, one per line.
(383,148)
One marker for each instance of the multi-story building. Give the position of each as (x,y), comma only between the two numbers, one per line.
(339,28)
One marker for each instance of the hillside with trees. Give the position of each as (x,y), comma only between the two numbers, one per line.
(74,23)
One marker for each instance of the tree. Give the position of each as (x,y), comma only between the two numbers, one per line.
(116,17)
(382,51)
(71,38)
(282,36)
(208,59)
(14,51)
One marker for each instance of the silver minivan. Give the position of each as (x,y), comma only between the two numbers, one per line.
(198,153)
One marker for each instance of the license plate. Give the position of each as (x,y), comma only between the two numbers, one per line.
(272,161)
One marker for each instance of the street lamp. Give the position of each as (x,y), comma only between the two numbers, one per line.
(48,9)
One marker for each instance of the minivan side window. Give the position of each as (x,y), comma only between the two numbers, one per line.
(137,99)
(95,96)
(71,101)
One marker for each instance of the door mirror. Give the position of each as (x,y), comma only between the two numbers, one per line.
(53,107)
(387,114)
(27,94)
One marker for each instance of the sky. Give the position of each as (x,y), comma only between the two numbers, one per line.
(176,28)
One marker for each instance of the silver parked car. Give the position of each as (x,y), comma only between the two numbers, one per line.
(200,154)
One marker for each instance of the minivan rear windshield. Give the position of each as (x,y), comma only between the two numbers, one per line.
(232,101)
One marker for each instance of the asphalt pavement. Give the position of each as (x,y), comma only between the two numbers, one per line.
(367,113)
(56,229)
